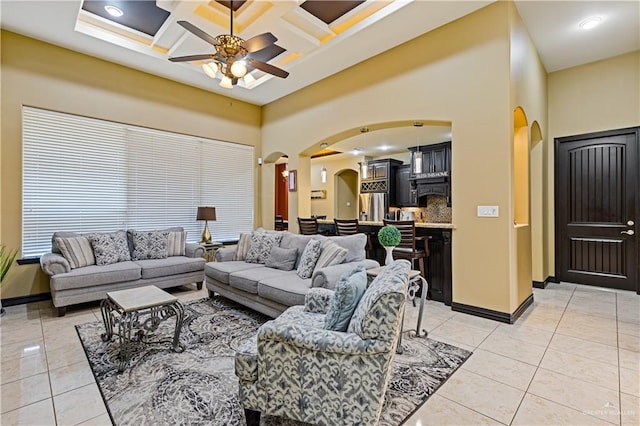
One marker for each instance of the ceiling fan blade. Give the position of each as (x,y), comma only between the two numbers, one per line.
(259,42)
(193,58)
(268,68)
(198,32)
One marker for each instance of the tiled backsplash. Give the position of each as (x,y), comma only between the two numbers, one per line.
(435,212)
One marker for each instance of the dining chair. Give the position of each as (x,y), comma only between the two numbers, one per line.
(279,223)
(350,227)
(411,247)
(308,226)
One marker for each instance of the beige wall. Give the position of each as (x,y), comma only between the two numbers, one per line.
(598,96)
(458,73)
(41,75)
(334,165)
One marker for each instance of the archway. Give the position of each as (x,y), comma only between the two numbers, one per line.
(538,206)
(346,200)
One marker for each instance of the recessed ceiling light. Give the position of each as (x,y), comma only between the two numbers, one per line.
(589,23)
(323,145)
(114,11)
(384,147)
(357,151)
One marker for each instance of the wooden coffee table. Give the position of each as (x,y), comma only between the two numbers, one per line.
(142,308)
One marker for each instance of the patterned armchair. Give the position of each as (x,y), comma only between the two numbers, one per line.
(296,369)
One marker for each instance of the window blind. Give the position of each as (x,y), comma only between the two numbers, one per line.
(88,175)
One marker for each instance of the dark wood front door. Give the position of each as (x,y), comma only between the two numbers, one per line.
(597,209)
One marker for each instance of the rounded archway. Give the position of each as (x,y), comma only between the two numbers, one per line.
(346,199)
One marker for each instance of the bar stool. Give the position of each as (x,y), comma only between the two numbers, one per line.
(350,227)
(411,247)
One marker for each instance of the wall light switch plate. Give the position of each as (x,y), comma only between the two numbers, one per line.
(488,211)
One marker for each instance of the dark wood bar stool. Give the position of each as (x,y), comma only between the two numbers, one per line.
(309,226)
(350,227)
(279,223)
(411,247)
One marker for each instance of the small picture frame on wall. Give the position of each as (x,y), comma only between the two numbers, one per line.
(292,181)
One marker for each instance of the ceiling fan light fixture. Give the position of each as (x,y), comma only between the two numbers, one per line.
(211,69)
(239,69)
(249,79)
(226,83)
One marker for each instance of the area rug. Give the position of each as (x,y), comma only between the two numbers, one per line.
(199,387)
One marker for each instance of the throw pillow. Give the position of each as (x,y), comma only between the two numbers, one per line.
(121,245)
(149,244)
(77,251)
(282,258)
(261,245)
(104,249)
(332,254)
(243,246)
(349,290)
(176,243)
(309,258)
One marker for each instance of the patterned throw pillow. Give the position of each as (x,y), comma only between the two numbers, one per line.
(104,249)
(309,258)
(332,254)
(176,243)
(282,258)
(121,245)
(261,245)
(149,244)
(243,246)
(77,251)
(349,290)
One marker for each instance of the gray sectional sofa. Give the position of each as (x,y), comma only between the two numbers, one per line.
(73,280)
(270,290)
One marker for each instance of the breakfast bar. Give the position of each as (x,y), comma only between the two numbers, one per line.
(438,262)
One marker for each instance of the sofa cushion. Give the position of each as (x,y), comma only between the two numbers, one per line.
(247,280)
(176,241)
(349,291)
(220,271)
(261,245)
(153,268)
(332,254)
(104,249)
(355,244)
(93,275)
(242,248)
(149,244)
(287,289)
(282,258)
(77,251)
(309,258)
(291,240)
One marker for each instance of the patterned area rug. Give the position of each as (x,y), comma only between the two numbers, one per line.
(199,387)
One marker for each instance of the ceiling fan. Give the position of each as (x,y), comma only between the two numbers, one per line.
(233,54)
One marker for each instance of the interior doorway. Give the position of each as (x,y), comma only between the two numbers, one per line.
(346,200)
(281,191)
(597,208)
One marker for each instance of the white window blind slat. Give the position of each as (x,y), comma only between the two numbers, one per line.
(87,175)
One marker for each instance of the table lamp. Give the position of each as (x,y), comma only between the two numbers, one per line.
(206,214)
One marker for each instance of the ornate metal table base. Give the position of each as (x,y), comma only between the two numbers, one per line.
(143,320)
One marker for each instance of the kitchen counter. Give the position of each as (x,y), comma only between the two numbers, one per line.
(418,224)
(438,268)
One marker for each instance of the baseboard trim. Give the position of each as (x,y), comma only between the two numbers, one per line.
(491,314)
(21,300)
(552,279)
(540,284)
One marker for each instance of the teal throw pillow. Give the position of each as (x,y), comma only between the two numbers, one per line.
(348,292)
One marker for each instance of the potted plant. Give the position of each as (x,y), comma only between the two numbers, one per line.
(6,260)
(389,237)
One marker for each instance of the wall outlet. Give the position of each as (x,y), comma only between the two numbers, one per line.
(488,211)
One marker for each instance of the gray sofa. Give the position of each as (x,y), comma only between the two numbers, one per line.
(70,286)
(271,291)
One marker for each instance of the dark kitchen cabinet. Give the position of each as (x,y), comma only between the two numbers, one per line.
(406,195)
(379,176)
(436,160)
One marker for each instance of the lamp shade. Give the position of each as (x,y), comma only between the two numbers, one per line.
(206,213)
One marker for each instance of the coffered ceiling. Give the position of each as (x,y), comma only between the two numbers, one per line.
(316,38)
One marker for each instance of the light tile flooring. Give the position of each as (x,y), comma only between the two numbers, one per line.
(572,359)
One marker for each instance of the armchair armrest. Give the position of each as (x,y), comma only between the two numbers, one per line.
(320,340)
(54,263)
(225,254)
(317,300)
(329,276)
(193,250)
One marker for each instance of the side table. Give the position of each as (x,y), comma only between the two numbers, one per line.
(142,308)
(210,250)
(415,282)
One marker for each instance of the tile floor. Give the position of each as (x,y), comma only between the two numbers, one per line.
(573,359)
